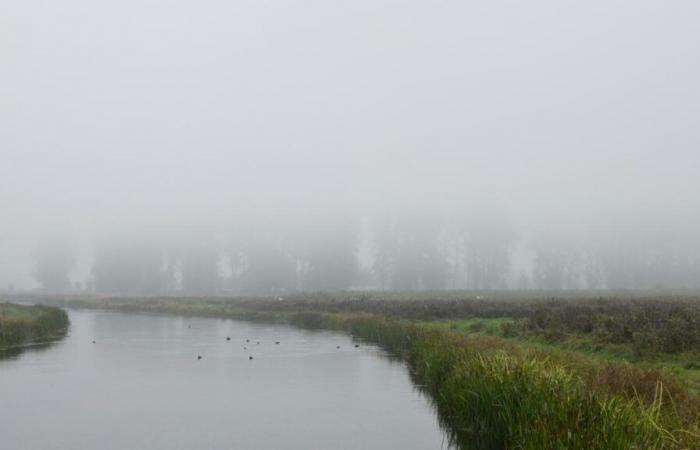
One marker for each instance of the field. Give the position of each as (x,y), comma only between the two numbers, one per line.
(21,324)
(515,370)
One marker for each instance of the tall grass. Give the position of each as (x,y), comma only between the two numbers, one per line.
(20,324)
(494,400)
(489,397)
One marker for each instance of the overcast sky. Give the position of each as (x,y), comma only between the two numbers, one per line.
(156,112)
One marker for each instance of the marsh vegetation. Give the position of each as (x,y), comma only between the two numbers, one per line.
(20,324)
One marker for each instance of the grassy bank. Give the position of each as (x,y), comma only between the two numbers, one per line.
(21,324)
(503,373)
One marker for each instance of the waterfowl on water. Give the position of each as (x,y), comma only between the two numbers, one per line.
(250,357)
(258,343)
(277,342)
(357,345)
(337,346)
(228,338)
(199,357)
(247,340)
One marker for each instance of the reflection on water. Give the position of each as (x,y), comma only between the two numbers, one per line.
(16,351)
(141,386)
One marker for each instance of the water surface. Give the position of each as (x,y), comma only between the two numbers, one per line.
(141,386)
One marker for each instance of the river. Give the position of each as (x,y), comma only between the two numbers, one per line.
(140,385)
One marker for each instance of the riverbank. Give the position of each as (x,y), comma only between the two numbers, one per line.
(21,324)
(503,372)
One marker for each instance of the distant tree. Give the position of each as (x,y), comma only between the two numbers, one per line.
(558,263)
(385,246)
(593,275)
(328,253)
(646,258)
(129,265)
(53,263)
(200,267)
(408,253)
(262,259)
(488,239)
(269,268)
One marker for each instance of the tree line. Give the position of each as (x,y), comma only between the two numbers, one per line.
(416,249)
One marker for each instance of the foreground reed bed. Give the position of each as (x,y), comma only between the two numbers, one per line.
(490,394)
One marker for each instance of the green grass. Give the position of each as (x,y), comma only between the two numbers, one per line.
(473,326)
(491,394)
(685,365)
(21,324)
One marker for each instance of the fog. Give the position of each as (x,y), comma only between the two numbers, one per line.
(255,147)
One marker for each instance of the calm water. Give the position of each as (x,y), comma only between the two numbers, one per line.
(140,386)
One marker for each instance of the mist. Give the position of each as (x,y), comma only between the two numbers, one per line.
(274,147)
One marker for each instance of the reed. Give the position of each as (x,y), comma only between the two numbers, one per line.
(20,324)
(491,395)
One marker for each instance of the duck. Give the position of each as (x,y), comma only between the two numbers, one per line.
(199,357)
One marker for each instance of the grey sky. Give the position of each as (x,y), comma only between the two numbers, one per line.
(153,111)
